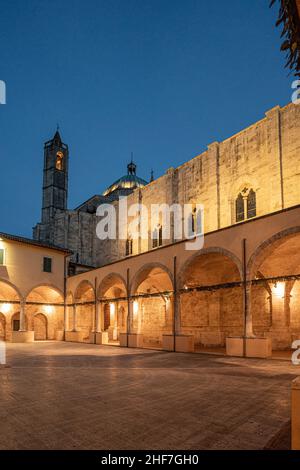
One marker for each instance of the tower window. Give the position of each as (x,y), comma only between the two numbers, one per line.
(2,256)
(59,161)
(245,205)
(47,265)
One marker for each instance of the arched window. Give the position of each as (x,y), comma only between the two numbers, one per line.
(160,235)
(59,161)
(239,208)
(195,222)
(251,204)
(245,205)
(157,236)
(129,246)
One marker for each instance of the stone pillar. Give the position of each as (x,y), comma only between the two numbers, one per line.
(22,316)
(98,316)
(176,313)
(248,312)
(74,317)
(295,412)
(274,146)
(129,316)
(94,327)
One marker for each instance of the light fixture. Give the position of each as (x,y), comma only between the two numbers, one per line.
(5,308)
(135,307)
(112,309)
(278,289)
(48,308)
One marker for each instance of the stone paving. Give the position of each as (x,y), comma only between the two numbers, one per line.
(57,395)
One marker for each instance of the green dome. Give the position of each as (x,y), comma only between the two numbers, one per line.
(128,182)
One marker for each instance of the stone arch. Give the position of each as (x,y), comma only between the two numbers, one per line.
(209,251)
(277,258)
(152,306)
(209,285)
(48,292)
(113,281)
(268,246)
(47,300)
(13,293)
(84,291)
(2,327)
(84,298)
(146,270)
(69,297)
(40,326)
(114,311)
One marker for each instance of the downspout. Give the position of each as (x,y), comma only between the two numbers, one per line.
(95,312)
(128,308)
(175,301)
(65,294)
(245,294)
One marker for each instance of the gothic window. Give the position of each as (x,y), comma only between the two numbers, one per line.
(59,161)
(239,208)
(193,223)
(160,235)
(245,205)
(155,238)
(129,246)
(251,204)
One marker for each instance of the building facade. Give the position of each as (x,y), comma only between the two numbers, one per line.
(153,292)
(250,174)
(32,286)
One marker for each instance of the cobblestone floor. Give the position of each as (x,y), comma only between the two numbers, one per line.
(78,396)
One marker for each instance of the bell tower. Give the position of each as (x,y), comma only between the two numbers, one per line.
(55,178)
(55,187)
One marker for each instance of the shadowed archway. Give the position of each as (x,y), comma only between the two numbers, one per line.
(211,297)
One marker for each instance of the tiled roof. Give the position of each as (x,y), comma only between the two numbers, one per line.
(29,241)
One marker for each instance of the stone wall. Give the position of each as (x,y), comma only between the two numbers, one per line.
(264,157)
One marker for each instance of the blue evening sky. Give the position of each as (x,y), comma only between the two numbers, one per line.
(161,78)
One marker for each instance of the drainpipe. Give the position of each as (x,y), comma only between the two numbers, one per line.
(128,308)
(95,312)
(245,293)
(175,301)
(65,295)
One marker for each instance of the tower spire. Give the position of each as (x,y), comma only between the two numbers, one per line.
(131,167)
(57,138)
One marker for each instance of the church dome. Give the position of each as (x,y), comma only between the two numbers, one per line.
(126,183)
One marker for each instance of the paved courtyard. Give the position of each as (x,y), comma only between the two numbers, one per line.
(57,395)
